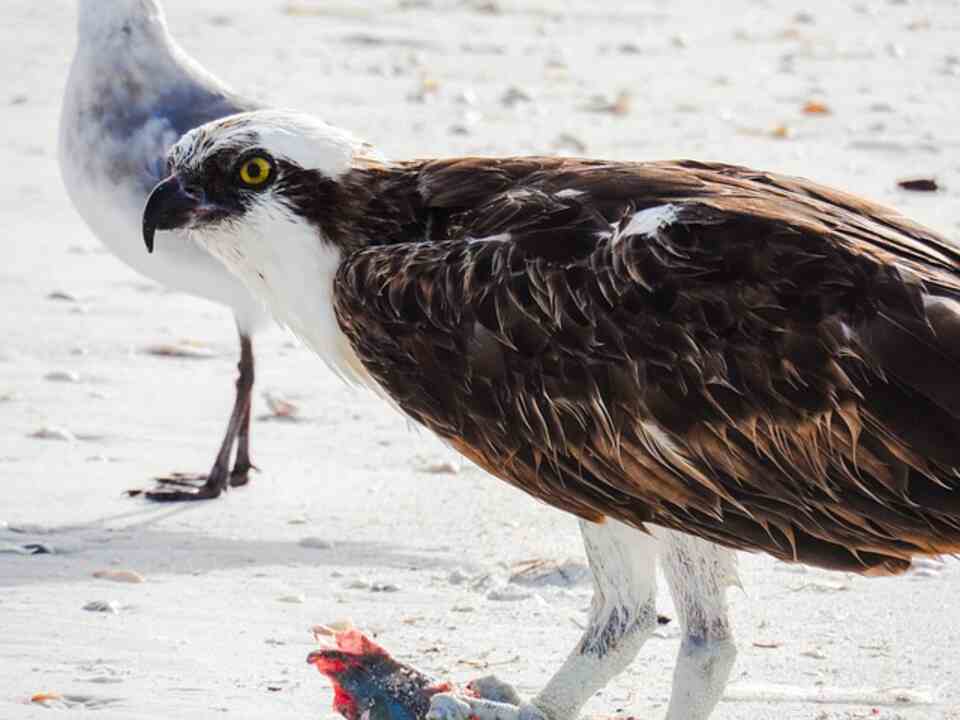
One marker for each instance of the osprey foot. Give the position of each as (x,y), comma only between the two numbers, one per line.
(447,706)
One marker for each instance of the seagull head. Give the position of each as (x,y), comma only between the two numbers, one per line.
(101,19)
(242,184)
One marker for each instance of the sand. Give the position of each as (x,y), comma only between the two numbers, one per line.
(355,515)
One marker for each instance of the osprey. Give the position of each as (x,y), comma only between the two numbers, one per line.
(132,92)
(756,360)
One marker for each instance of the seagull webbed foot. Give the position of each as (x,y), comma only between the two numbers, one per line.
(240,475)
(188,487)
(185,487)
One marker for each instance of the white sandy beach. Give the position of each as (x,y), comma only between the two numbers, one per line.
(356,515)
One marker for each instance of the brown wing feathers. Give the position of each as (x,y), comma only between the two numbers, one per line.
(776,369)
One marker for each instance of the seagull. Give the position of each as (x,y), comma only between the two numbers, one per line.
(132,91)
(745,360)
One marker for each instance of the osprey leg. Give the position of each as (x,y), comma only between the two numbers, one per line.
(622,616)
(698,574)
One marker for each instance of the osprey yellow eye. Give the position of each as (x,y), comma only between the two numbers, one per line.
(255,171)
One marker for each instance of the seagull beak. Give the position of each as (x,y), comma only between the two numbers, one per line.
(169,206)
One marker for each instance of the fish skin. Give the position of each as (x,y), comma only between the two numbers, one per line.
(368,684)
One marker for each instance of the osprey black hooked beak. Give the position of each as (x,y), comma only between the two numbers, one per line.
(169,206)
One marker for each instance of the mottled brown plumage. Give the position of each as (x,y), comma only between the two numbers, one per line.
(774,369)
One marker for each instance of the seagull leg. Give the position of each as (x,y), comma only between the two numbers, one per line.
(698,574)
(238,429)
(622,616)
(242,465)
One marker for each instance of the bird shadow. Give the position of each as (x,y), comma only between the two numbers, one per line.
(133,540)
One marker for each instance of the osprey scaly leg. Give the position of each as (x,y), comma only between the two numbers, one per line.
(623,615)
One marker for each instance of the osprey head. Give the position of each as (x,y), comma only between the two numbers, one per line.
(241,175)
(263,192)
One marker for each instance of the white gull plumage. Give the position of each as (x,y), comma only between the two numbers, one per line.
(131,93)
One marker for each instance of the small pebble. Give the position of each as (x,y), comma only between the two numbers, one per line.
(896,51)
(280,407)
(124,576)
(466,96)
(540,573)
(457,577)
(620,105)
(485,7)
(445,467)
(46,697)
(295,599)
(54,433)
(483,48)
(183,349)
(919,184)
(62,376)
(815,107)
(316,543)
(39,549)
(822,586)
(111,607)
(782,132)
(514,96)
(505,594)
(103,679)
